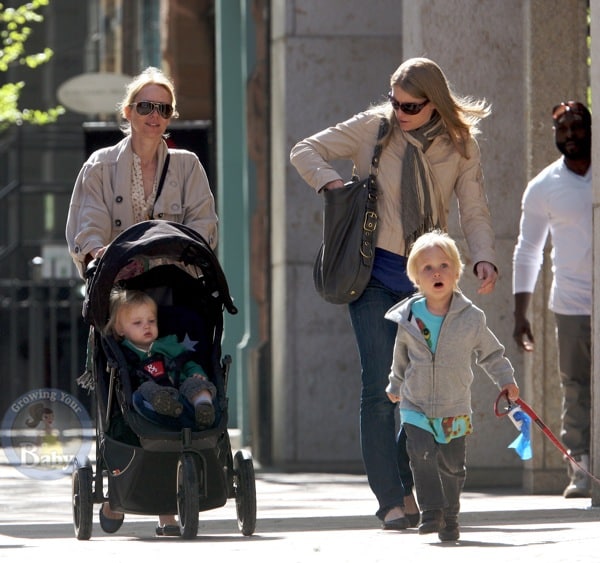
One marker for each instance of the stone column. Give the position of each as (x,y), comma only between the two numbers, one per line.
(595,87)
(523,57)
(329,60)
(557,71)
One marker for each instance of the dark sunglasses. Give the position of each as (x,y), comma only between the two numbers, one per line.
(409,108)
(146,108)
(577,108)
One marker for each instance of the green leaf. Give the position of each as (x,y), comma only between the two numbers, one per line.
(15,30)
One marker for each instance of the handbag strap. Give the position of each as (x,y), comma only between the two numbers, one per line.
(163,175)
(367,245)
(383,129)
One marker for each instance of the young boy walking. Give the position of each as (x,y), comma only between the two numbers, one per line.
(440,331)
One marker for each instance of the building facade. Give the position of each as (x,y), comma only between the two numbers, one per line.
(266,74)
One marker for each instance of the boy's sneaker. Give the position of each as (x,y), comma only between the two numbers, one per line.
(580,485)
(450,532)
(431,521)
(164,403)
(205,415)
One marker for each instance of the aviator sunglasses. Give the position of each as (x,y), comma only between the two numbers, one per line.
(146,108)
(409,108)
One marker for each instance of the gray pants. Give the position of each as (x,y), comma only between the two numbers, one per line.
(438,470)
(574,358)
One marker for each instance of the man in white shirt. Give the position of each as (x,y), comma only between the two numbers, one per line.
(558,201)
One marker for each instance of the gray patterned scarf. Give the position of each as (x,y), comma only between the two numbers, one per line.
(421,206)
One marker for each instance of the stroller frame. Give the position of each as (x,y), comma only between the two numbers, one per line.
(150,469)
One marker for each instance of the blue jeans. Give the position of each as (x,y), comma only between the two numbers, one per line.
(375,337)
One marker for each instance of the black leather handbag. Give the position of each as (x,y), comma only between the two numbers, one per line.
(342,268)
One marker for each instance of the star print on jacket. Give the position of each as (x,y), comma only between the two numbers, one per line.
(188,343)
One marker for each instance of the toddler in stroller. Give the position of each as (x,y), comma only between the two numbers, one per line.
(160,456)
(173,390)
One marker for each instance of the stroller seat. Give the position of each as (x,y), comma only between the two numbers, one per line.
(195,324)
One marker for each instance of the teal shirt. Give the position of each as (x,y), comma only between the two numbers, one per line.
(443,429)
(428,323)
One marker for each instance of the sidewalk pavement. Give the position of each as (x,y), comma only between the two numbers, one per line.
(302,518)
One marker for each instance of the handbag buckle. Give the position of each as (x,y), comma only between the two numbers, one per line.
(366,250)
(370,223)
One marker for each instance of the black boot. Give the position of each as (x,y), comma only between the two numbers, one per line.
(451,531)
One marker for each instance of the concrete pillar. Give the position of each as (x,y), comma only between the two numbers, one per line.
(557,32)
(595,88)
(477,45)
(329,60)
(523,56)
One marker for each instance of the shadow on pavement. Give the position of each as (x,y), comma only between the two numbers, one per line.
(481,521)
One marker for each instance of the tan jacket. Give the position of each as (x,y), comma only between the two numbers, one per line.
(354,140)
(101,205)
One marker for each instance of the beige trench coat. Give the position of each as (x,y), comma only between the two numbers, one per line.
(101,206)
(453,174)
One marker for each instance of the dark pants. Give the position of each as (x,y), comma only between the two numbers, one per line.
(574,354)
(438,470)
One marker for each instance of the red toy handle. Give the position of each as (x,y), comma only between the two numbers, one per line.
(505,410)
(538,421)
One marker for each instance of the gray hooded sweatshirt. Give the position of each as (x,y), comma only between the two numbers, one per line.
(439,384)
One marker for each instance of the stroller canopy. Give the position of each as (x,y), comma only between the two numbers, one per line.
(152,239)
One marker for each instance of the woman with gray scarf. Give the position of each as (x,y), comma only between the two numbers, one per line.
(429,154)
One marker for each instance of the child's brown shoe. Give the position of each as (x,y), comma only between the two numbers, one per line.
(205,415)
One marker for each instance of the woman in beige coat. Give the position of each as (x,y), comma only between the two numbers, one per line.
(118,187)
(429,156)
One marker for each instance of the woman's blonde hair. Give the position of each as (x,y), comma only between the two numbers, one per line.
(121,299)
(150,75)
(430,240)
(423,78)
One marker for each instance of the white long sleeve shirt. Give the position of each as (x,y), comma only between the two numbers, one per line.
(557,202)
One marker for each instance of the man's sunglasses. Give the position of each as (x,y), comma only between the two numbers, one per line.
(576,108)
(146,108)
(409,108)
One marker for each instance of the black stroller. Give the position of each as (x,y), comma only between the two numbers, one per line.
(152,470)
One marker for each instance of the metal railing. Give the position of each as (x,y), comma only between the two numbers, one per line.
(42,333)
(42,336)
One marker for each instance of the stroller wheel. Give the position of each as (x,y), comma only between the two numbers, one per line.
(83,504)
(188,502)
(245,492)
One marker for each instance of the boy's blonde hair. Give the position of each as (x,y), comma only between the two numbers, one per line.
(121,299)
(429,240)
